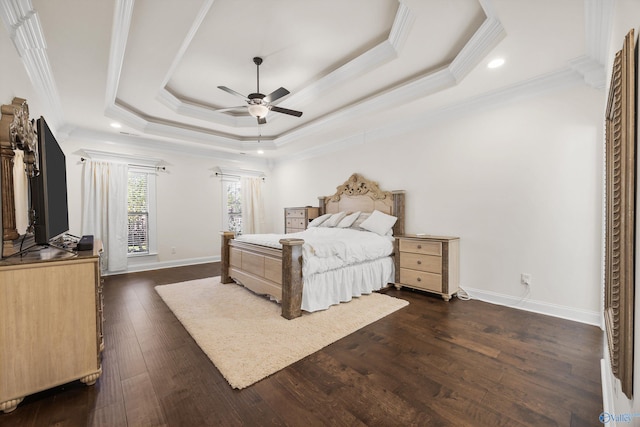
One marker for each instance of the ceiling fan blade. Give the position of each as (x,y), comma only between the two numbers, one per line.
(222,110)
(232,92)
(262,120)
(276,94)
(286,111)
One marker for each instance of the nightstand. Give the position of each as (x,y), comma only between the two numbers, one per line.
(297,219)
(428,263)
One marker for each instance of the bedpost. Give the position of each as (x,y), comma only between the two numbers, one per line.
(398,211)
(225,252)
(291,278)
(322,205)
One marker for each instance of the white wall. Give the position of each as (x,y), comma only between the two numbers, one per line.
(520,185)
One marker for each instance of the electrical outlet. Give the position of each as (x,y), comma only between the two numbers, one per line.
(525,279)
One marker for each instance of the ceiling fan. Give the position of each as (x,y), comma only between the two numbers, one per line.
(259,104)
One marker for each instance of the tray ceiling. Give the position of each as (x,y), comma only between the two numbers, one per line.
(155,65)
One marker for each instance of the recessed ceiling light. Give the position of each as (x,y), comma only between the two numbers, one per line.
(116,125)
(260,151)
(495,63)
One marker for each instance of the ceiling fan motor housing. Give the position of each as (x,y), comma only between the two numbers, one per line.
(256,97)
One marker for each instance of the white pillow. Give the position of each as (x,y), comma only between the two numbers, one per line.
(361,218)
(319,220)
(379,223)
(348,220)
(334,220)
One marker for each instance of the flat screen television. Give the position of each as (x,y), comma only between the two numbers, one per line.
(49,188)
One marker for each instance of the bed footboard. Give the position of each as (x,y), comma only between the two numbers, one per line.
(264,270)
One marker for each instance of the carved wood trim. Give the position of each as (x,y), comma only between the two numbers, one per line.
(357,185)
(17,132)
(620,190)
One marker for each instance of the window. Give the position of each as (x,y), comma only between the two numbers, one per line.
(241,200)
(233,209)
(140,211)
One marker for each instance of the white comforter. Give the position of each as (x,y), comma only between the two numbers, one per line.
(337,263)
(327,249)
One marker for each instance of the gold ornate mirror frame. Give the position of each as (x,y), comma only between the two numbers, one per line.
(619,295)
(17,132)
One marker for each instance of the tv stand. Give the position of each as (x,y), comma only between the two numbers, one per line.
(50,321)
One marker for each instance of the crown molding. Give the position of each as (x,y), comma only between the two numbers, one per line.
(152,144)
(598,26)
(481,43)
(592,71)
(401,26)
(119,35)
(22,24)
(193,30)
(531,88)
(202,112)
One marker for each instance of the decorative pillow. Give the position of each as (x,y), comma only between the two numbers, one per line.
(334,220)
(319,220)
(379,223)
(361,218)
(348,220)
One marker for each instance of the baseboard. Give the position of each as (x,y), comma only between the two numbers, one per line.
(555,310)
(157,265)
(608,404)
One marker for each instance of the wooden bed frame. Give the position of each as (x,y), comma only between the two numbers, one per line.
(278,272)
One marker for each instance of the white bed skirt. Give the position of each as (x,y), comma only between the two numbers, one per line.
(322,290)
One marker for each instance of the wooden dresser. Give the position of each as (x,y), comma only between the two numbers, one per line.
(297,219)
(428,263)
(50,322)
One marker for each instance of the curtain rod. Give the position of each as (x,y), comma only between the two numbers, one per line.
(158,168)
(235,176)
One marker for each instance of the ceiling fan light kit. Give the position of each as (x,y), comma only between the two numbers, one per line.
(258,110)
(259,104)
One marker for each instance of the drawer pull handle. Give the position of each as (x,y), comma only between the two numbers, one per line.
(419,246)
(419,279)
(419,262)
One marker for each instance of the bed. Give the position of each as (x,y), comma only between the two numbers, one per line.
(281,266)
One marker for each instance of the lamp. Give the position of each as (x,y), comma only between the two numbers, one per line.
(258,110)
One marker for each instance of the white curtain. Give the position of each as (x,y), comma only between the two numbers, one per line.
(104,210)
(252,205)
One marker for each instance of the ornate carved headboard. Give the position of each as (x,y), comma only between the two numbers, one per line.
(359,194)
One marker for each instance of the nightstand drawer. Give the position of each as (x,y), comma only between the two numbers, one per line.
(421,247)
(295,213)
(430,263)
(421,279)
(295,223)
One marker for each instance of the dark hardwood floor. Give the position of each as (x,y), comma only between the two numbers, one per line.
(462,363)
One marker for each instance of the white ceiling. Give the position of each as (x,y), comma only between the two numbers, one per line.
(354,68)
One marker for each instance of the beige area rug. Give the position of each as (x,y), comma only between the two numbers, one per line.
(246,338)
